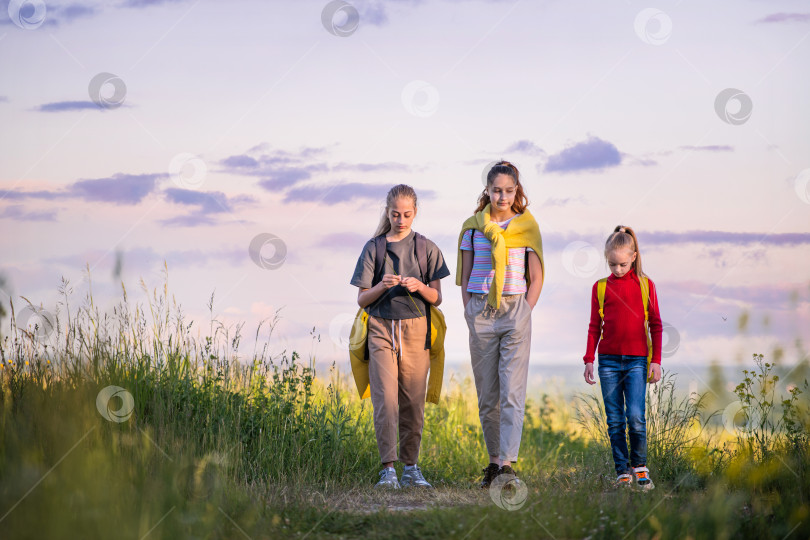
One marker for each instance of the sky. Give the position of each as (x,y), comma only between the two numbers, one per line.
(249,145)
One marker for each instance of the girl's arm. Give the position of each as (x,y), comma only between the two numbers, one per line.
(594,333)
(467,258)
(535,271)
(594,328)
(366,297)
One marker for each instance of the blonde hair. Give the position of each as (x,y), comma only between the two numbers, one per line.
(624,237)
(400,190)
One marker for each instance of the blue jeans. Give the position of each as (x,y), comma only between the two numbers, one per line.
(623,379)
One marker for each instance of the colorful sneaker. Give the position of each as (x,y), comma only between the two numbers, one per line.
(490,473)
(643,480)
(388,479)
(413,478)
(624,480)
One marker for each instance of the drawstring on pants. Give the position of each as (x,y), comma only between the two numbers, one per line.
(397,350)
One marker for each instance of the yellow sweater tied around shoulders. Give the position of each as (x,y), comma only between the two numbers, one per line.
(522,231)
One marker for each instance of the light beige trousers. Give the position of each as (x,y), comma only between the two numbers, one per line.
(397,369)
(500,342)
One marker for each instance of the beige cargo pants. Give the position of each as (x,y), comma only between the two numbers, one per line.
(397,369)
(500,342)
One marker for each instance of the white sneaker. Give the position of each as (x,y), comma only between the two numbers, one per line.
(413,477)
(388,479)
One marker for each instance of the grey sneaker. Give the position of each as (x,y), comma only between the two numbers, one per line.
(388,479)
(413,477)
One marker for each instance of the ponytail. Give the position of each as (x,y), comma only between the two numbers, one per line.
(400,190)
(624,237)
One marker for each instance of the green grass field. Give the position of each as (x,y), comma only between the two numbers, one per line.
(202,440)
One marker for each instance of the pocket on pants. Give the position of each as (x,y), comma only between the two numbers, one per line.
(468,307)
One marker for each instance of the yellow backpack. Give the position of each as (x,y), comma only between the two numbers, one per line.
(434,340)
(601,286)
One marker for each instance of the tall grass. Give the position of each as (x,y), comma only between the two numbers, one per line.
(221,444)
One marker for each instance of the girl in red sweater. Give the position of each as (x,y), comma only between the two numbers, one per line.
(621,334)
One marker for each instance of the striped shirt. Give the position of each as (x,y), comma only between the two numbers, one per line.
(483,274)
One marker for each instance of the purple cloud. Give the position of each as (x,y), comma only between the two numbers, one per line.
(190,220)
(208,202)
(664,238)
(118,189)
(17,195)
(240,162)
(55,14)
(3,99)
(709,148)
(17,212)
(339,193)
(284,178)
(62,106)
(785,17)
(525,146)
(150,3)
(593,154)
(372,167)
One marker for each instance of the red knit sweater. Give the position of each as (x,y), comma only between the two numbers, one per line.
(623,330)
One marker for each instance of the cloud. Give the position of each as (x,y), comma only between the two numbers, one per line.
(118,189)
(281,170)
(208,202)
(665,238)
(142,259)
(62,106)
(54,14)
(709,148)
(343,192)
(525,146)
(240,162)
(263,161)
(17,195)
(3,99)
(284,178)
(372,167)
(715,241)
(190,220)
(150,3)
(17,212)
(593,154)
(785,17)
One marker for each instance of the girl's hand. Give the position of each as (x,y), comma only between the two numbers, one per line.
(589,373)
(654,374)
(413,284)
(391,280)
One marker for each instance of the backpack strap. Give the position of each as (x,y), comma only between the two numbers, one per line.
(601,285)
(379,258)
(645,295)
(420,248)
(379,261)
